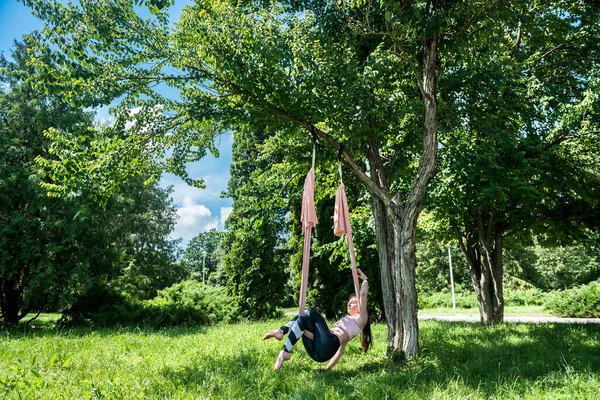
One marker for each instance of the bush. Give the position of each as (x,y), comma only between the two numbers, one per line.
(186,303)
(464,299)
(580,302)
(524,297)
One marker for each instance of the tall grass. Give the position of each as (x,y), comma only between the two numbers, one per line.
(457,361)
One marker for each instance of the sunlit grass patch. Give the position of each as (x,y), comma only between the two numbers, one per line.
(457,361)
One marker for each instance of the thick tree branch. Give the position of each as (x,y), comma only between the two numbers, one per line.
(346,158)
(564,138)
(518,41)
(429,156)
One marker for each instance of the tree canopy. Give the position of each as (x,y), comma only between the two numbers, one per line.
(54,250)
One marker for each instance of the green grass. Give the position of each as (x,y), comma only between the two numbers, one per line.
(457,361)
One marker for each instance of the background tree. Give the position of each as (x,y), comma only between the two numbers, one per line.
(555,268)
(142,218)
(256,262)
(129,252)
(56,251)
(194,255)
(39,236)
(519,106)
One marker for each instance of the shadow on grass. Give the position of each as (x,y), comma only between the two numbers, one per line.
(485,362)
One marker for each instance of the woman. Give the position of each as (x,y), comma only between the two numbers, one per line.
(321,343)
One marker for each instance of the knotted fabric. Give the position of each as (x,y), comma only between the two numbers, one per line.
(309,220)
(341,226)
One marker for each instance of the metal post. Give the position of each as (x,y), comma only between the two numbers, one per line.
(451,278)
(203,262)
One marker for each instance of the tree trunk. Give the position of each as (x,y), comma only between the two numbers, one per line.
(486,267)
(391,280)
(11,302)
(396,225)
(408,261)
(396,247)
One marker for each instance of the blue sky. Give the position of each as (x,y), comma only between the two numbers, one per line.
(199,210)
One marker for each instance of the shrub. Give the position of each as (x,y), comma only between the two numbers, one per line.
(580,302)
(524,297)
(464,299)
(186,303)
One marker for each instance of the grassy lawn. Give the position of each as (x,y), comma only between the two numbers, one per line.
(457,361)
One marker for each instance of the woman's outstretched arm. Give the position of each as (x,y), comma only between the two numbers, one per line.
(364,291)
(336,357)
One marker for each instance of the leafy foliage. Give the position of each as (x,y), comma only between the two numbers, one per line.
(55,251)
(552,268)
(44,242)
(525,297)
(255,260)
(433,267)
(464,299)
(579,302)
(202,254)
(186,303)
(519,106)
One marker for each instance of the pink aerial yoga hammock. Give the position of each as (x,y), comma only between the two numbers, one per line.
(341,222)
(341,225)
(309,220)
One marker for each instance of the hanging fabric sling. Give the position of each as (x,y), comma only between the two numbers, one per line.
(309,220)
(341,226)
(341,223)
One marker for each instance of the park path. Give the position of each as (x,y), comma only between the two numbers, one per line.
(534,318)
(529,318)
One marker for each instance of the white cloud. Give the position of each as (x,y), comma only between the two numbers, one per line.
(225,212)
(193,219)
(103,116)
(197,218)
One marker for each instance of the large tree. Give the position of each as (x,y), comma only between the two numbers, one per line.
(255,261)
(360,77)
(516,140)
(54,250)
(39,236)
(201,253)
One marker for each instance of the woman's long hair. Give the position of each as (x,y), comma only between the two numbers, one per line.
(366,338)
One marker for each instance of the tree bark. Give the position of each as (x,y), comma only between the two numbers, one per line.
(396,225)
(391,280)
(482,245)
(11,301)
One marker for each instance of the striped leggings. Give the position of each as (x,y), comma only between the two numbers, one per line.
(324,343)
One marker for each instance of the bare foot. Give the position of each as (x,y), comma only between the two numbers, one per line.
(277,334)
(283,356)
